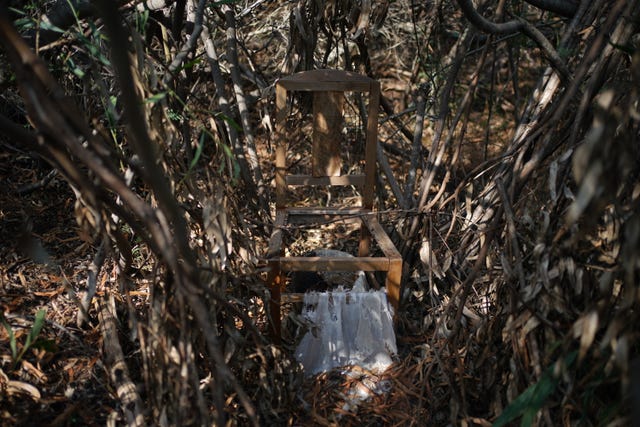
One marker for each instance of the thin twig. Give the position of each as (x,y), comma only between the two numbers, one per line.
(92,277)
(223,103)
(514,26)
(189,46)
(245,119)
(421,105)
(438,148)
(511,228)
(25,189)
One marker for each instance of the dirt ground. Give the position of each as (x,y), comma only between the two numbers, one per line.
(59,379)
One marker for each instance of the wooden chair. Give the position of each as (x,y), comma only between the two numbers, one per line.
(328,88)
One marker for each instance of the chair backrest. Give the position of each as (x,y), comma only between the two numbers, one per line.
(328,88)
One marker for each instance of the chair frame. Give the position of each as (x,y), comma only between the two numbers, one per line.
(328,81)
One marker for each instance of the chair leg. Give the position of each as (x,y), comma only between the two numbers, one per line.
(365,241)
(275,279)
(394,277)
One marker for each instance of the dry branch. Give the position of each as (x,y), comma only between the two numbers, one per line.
(164,228)
(566,8)
(502,286)
(117,366)
(92,279)
(182,260)
(517,25)
(416,146)
(189,46)
(234,65)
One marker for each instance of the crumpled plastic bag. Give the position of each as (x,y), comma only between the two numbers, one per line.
(347,328)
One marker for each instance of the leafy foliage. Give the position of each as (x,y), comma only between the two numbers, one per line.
(18,353)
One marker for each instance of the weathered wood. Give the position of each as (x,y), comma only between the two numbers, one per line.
(364,246)
(309,215)
(326,80)
(328,86)
(299,180)
(310,211)
(290,298)
(326,158)
(370,146)
(275,276)
(275,280)
(281,147)
(277,235)
(290,263)
(393,282)
(381,237)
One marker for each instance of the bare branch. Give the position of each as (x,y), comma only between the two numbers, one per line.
(416,146)
(483,24)
(234,65)
(566,8)
(92,279)
(139,137)
(189,46)
(223,104)
(62,15)
(132,405)
(514,26)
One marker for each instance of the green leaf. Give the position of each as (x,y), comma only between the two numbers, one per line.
(37,325)
(75,13)
(12,337)
(528,417)
(46,344)
(50,27)
(141,21)
(236,166)
(188,65)
(231,122)
(157,97)
(17,11)
(533,398)
(528,403)
(196,156)
(623,48)
(74,68)
(33,334)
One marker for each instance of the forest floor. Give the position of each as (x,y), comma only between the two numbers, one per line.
(53,368)
(59,378)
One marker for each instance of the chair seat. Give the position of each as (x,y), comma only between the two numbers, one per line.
(390,262)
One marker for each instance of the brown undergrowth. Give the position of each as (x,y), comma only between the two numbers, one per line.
(515,209)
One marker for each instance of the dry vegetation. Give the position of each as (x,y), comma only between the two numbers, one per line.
(135,205)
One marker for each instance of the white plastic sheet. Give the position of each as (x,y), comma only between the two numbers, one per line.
(348,328)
